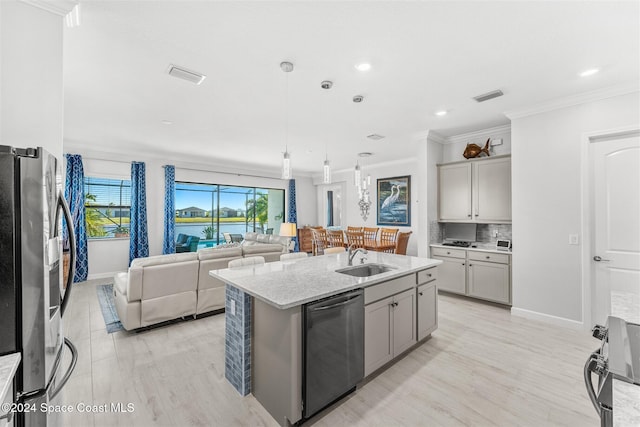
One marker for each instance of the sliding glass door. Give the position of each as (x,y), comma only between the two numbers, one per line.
(221,213)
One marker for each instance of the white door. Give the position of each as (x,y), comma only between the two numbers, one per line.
(616,245)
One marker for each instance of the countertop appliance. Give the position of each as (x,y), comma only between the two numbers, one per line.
(333,349)
(459,234)
(33,298)
(618,359)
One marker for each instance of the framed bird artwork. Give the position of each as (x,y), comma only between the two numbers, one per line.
(394,201)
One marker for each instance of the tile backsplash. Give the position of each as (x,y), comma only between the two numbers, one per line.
(484,234)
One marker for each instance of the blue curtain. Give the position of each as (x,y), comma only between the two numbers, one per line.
(169,244)
(139,240)
(74,194)
(292,215)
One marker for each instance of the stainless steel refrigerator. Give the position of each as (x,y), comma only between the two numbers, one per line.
(33,298)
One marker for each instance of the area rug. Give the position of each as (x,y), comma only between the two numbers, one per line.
(108,307)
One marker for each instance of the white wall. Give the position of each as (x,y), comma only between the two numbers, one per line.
(31,102)
(351,211)
(111,255)
(546,191)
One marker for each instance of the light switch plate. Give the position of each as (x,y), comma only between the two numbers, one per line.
(233,307)
(574,239)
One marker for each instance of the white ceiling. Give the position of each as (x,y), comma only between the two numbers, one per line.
(425,56)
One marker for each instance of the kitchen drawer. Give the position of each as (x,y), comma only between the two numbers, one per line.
(426,276)
(453,253)
(386,289)
(489,257)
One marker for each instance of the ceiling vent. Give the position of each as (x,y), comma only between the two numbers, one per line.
(375,137)
(489,95)
(184,74)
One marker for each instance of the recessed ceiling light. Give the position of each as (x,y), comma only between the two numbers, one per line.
(441,113)
(365,66)
(166,122)
(589,72)
(365,154)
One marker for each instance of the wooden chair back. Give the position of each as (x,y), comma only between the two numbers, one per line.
(335,238)
(318,240)
(388,234)
(402,242)
(355,238)
(349,228)
(370,233)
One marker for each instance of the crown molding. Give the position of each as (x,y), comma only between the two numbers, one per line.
(463,137)
(58,7)
(570,101)
(209,164)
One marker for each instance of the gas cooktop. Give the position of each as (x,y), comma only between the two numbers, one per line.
(457,243)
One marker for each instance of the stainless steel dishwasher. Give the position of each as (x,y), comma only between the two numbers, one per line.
(333,349)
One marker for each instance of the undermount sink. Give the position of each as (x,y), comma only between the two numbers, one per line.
(365,270)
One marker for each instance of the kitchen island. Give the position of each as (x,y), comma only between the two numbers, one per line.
(264,311)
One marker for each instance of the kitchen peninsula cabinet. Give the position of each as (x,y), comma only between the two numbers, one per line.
(475,191)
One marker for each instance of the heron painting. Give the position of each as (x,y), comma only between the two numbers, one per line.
(394,202)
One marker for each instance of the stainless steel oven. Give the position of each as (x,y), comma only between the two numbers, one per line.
(615,364)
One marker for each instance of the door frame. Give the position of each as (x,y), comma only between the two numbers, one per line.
(588,226)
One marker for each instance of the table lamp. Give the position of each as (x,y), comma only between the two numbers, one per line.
(288,229)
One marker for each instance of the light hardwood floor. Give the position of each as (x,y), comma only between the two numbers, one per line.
(482,367)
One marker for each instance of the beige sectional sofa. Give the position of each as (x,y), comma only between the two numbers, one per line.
(166,287)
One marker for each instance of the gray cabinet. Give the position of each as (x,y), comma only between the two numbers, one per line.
(452,272)
(489,276)
(478,274)
(475,191)
(378,346)
(454,192)
(389,329)
(427,301)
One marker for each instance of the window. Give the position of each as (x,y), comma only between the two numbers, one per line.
(216,213)
(107,207)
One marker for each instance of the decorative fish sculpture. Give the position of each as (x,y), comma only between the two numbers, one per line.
(474,150)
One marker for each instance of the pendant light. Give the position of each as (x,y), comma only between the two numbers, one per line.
(357,175)
(287,67)
(326,167)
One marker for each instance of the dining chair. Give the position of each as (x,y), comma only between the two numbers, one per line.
(252,260)
(335,250)
(402,242)
(335,238)
(370,233)
(355,239)
(318,240)
(388,236)
(350,228)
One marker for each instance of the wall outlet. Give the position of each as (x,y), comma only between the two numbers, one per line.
(496,142)
(574,239)
(233,307)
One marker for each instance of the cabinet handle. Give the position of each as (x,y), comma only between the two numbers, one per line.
(470,265)
(469,215)
(428,274)
(488,257)
(448,253)
(463,263)
(420,293)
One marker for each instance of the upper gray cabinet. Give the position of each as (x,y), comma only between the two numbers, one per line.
(475,191)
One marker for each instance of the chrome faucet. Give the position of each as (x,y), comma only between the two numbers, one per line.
(351,253)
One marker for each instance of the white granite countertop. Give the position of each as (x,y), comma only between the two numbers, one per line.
(8,366)
(626,404)
(291,283)
(481,247)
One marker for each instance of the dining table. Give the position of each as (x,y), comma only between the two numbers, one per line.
(378,246)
